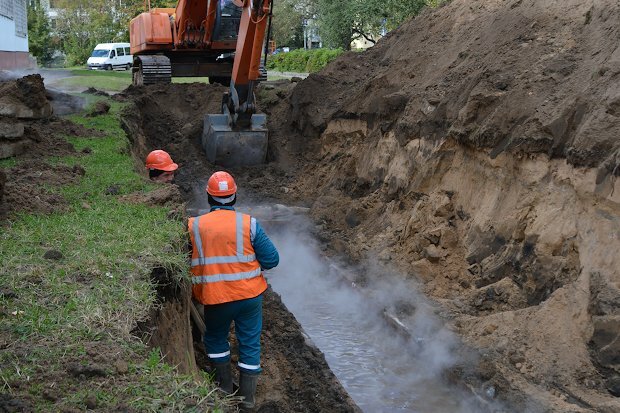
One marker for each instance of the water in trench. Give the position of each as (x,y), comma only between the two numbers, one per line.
(382,370)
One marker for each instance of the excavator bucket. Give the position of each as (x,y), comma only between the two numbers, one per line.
(228,146)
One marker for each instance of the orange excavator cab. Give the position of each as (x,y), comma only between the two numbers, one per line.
(220,39)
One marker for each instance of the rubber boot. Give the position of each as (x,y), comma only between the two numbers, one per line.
(223,376)
(247,389)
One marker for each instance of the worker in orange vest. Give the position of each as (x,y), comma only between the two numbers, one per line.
(229,252)
(160,166)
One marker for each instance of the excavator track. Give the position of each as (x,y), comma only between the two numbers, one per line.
(149,70)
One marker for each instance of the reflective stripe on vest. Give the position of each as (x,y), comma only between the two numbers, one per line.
(224,264)
(207,279)
(232,259)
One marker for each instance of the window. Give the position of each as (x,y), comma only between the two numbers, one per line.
(127,51)
(21,18)
(112,54)
(6,8)
(119,51)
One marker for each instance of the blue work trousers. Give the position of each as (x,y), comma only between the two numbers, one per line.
(248,318)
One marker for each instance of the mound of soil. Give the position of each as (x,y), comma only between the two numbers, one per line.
(25,189)
(515,76)
(24,98)
(476,149)
(29,132)
(166,195)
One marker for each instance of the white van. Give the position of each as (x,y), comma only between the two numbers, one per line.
(108,56)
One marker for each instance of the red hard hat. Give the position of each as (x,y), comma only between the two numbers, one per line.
(221,184)
(161,160)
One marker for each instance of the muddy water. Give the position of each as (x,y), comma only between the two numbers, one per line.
(382,370)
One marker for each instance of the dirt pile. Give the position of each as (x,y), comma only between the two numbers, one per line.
(20,99)
(516,76)
(476,149)
(28,132)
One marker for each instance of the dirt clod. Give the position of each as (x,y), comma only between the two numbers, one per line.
(91,370)
(10,405)
(101,108)
(53,255)
(113,190)
(94,91)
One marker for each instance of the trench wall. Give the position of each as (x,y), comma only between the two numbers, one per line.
(521,249)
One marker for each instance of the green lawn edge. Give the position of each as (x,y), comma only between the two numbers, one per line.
(55,314)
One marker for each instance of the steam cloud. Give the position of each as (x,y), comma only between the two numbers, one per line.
(382,370)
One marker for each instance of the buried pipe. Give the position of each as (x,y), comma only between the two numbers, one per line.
(382,371)
(483,397)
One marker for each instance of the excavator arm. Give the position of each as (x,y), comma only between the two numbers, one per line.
(239,135)
(239,103)
(221,39)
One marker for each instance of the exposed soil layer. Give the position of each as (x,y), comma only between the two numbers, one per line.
(476,150)
(516,76)
(26,186)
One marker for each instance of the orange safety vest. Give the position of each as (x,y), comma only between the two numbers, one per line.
(224,266)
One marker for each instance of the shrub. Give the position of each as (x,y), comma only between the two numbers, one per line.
(303,60)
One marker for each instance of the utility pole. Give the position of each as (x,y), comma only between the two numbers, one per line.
(305,24)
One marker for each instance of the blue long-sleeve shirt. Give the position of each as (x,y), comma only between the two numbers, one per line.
(266,253)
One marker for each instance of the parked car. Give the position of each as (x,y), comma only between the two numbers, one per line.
(108,56)
(281,50)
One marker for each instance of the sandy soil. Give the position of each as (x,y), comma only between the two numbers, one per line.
(476,149)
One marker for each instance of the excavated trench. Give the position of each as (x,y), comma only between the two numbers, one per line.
(295,375)
(378,348)
(513,251)
(383,341)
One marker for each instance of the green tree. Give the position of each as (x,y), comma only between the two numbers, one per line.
(340,23)
(336,21)
(287,25)
(83,24)
(39,36)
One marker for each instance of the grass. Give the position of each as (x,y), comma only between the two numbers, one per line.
(190,80)
(112,81)
(7,163)
(83,307)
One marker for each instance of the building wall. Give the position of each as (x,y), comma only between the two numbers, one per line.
(14,35)
(13,26)
(361,43)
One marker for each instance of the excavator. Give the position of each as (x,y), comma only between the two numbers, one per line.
(222,40)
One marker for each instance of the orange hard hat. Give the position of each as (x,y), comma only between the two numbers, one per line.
(221,184)
(161,160)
